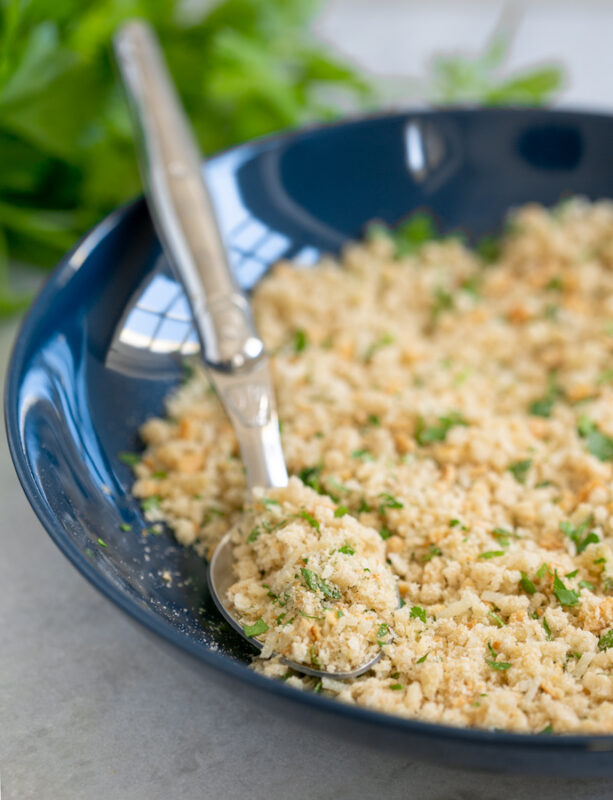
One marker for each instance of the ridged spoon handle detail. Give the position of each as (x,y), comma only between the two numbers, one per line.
(185,221)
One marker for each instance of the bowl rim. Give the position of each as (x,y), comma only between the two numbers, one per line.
(237,669)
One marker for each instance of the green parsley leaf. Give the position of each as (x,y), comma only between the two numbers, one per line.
(382,631)
(606,376)
(102,543)
(347,549)
(423,658)
(587,585)
(491,554)
(433,551)
(131,459)
(385,533)
(310,616)
(388,501)
(519,469)
(396,687)
(442,301)
(498,621)
(526,584)
(437,433)
(269,502)
(547,730)
(363,508)
(556,284)
(256,629)
(544,406)
(417,612)
(310,519)
(378,344)
(314,660)
(548,633)
(300,341)
(341,511)
(504,536)
(125,526)
(453,523)
(151,503)
(598,444)
(575,534)
(410,236)
(311,476)
(315,583)
(255,533)
(488,248)
(606,640)
(472,285)
(498,665)
(566,597)
(363,455)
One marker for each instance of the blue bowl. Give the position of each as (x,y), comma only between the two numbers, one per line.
(102,346)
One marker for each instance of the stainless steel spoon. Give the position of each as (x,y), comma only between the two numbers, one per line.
(185,221)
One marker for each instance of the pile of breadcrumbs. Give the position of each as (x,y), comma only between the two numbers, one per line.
(451,422)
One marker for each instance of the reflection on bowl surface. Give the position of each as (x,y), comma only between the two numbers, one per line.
(103,344)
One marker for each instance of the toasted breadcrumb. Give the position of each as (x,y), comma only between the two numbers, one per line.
(462,413)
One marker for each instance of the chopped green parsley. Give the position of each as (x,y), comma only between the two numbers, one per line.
(131,459)
(520,469)
(566,597)
(256,629)
(499,665)
(598,444)
(388,501)
(310,519)
(151,503)
(606,640)
(300,341)
(315,583)
(433,551)
(427,434)
(575,534)
(526,584)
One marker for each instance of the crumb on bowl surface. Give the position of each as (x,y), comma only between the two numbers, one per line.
(450,421)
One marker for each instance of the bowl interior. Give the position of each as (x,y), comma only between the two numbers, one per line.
(104,342)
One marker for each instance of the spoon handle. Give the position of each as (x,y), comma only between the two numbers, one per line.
(186,224)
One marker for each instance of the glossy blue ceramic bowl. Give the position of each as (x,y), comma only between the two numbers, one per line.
(103,344)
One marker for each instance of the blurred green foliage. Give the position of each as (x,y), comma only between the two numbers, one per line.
(479,78)
(243,68)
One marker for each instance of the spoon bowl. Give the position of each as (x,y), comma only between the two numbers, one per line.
(221,577)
